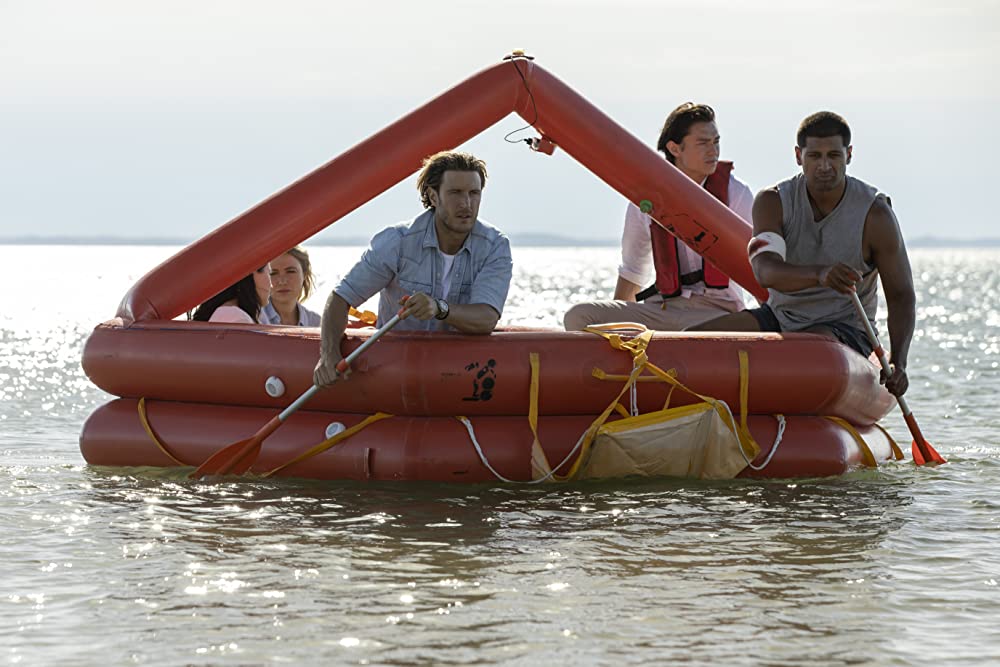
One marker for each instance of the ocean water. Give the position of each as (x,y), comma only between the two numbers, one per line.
(102,566)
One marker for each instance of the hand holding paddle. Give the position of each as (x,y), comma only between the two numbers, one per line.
(239,457)
(922,450)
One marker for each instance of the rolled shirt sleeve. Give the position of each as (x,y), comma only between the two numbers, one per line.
(740,198)
(374,271)
(637,247)
(491,284)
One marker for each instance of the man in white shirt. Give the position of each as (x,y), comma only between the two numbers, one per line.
(687,289)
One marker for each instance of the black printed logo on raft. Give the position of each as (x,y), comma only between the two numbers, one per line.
(484,381)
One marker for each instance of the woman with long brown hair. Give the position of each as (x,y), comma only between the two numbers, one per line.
(293,282)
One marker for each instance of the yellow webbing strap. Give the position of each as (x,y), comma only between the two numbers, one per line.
(539,462)
(144,420)
(637,347)
(666,403)
(897,453)
(742,433)
(601,374)
(366,316)
(330,442)
(533,395)
(866,452)
(744,401)
(588,437)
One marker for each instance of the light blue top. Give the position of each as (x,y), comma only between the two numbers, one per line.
(307,318)
(404,259)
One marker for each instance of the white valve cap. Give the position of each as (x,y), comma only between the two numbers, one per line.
(274,386)
(333,428)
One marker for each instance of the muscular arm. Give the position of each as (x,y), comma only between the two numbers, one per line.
(331,333)
(888,254)
(775,273)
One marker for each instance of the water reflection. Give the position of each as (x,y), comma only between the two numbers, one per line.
(723,557)
(112,566)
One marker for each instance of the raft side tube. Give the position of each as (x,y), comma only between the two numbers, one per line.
(416,448)
(440,375)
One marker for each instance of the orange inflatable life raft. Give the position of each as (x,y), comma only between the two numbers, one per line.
(187,389)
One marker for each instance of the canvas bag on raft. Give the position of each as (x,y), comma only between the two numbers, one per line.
(700,441)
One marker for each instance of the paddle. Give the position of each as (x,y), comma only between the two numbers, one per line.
(922,450)
(239,457)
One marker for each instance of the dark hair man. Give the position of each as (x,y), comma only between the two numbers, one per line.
(687,289)
(454,268)
(820,235)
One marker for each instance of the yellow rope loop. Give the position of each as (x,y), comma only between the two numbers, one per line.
(330,442)
(866,452)
(144,420)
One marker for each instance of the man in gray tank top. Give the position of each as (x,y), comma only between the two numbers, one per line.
(820,235)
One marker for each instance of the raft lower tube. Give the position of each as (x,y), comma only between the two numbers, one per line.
(422,448)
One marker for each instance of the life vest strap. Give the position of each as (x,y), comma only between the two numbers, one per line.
(646,293)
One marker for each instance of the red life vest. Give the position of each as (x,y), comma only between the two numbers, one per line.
(668,274)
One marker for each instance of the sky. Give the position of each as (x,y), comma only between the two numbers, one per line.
(165,120)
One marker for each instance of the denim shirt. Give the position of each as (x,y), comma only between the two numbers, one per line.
(404,259)
(307,318)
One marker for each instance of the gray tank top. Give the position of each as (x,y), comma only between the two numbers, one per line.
(835,238)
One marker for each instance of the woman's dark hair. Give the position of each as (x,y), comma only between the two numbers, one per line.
(679,123)
(821,125)
(245,293)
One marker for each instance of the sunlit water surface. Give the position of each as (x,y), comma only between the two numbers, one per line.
(898,566)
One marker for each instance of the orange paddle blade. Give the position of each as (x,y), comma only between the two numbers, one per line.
(922,451)
(238,457)
(240,454)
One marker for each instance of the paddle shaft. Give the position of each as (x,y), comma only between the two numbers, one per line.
(879,351)
(240,456)
(911,422)
(342,367)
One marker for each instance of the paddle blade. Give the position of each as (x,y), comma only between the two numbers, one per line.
(228,459)
(238,457)
(924,453)
(918,456)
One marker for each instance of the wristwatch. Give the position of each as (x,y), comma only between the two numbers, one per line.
(443,309)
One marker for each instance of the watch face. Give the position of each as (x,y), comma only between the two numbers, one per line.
(442,309)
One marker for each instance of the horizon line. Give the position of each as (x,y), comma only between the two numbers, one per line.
(525,239)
